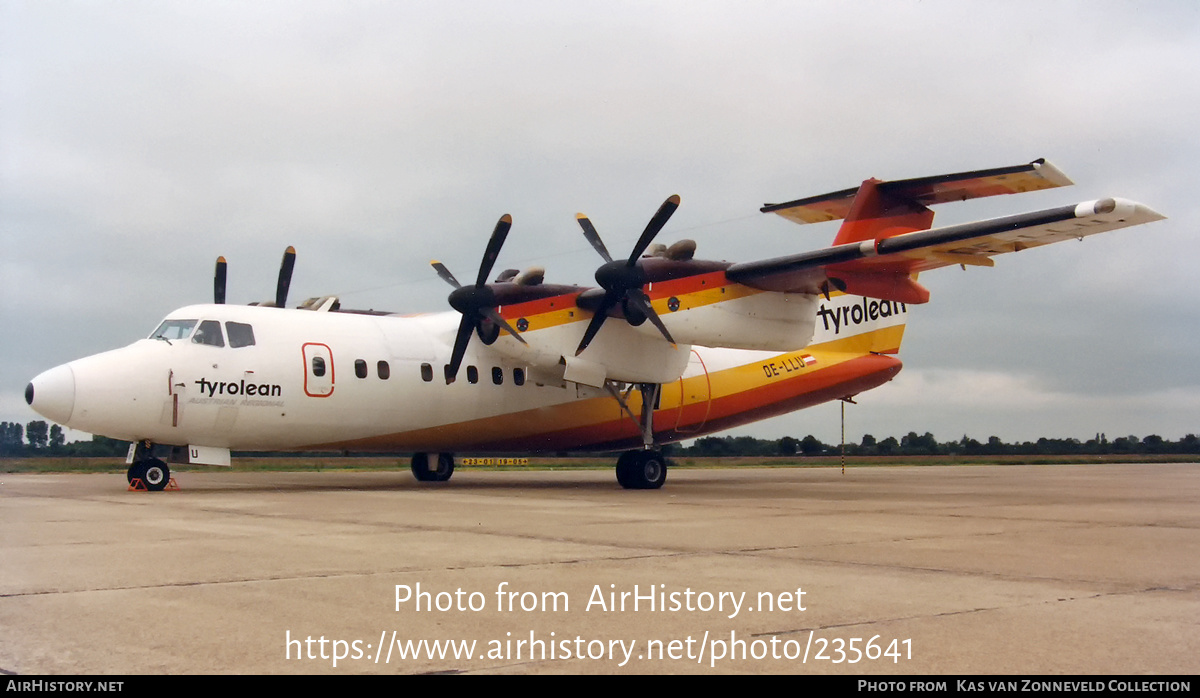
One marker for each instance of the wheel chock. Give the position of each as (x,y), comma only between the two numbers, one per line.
(138,486)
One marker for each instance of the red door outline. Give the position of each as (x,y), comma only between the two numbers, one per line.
(314,385)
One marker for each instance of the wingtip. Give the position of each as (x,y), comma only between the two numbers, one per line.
(1050,173)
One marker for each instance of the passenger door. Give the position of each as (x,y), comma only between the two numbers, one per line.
(318,370)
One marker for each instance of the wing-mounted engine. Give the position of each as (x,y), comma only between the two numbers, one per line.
(482,303)
(324,304)
(690,301)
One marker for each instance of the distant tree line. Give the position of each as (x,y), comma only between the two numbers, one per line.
(40,439)
(37,438)
(913,444)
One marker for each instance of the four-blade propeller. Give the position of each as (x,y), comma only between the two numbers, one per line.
(477,303)
(622,281)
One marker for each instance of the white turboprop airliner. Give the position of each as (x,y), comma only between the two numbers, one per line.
(668,347)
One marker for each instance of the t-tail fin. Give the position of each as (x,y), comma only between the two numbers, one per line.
(877,211)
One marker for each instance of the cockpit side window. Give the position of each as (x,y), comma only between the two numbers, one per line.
(173,329)
(209,333)
(240,334)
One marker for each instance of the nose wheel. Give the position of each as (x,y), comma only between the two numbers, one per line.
(147,472)
(152,473)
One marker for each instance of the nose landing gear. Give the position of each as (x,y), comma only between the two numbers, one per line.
(146,471)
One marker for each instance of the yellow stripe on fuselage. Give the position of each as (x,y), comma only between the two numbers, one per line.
(691,292)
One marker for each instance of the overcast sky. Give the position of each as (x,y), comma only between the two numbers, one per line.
(140,140)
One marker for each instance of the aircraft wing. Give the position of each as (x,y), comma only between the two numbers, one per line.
(906,254)
(928,191)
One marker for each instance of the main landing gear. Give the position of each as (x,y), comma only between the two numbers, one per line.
(644,469)
(432,467)
(641,470)
(151,472)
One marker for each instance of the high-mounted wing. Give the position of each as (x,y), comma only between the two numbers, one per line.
(882,268)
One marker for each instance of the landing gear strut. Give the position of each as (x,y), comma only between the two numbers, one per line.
(644,469)
(432,467)
(152,472)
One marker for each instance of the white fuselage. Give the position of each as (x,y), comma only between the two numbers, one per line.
(256,378)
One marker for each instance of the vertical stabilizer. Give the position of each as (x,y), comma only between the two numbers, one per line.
(877,213)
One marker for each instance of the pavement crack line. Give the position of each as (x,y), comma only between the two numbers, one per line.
(963,612)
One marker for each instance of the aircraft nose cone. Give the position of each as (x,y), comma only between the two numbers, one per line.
(52,394)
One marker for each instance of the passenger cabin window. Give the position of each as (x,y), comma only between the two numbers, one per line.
(497,375)
(472,375)
(240,334)
(426,372)
(385,371)
(360,368)
(318,366)
(209,333)
(519,376)
(174,329)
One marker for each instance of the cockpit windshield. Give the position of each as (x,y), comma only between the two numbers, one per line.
(174,329)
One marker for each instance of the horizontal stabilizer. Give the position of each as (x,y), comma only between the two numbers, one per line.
(928,191)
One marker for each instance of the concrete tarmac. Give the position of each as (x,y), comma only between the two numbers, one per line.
(1080,569)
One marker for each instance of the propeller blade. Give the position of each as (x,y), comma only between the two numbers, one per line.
(492,315)
(443,272)
(285,277)
(589,232)
(656,224)
(219,282)
(597,321)
(465,327)
(476,303)
(639,298)
(493,249)
(624,281)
